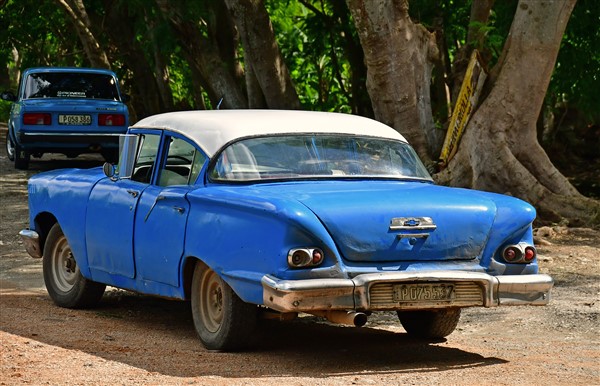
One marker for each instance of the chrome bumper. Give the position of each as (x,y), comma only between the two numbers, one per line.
(31,242)
(374,291)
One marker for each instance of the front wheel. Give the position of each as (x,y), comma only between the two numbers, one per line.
(222,320)
(64,282)
(430,324)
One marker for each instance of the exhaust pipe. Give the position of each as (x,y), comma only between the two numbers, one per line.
(350,318)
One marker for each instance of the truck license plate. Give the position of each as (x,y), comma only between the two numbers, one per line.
(423,292)
(74,119)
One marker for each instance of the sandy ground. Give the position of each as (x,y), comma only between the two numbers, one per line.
(137,340)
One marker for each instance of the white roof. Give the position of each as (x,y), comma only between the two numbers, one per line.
(212,129)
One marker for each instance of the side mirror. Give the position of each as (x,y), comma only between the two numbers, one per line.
(8,96)
(108,169)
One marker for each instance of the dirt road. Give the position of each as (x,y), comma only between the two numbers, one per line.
(135,340)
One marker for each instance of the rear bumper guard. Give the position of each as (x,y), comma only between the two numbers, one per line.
(356,293)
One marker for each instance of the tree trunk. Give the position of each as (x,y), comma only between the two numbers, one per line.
(222,31)
(340,20)
(499,150)
(480,15)
(77,13)
(399,55)
(119,27)
(262,53)
(202,53)
(4,75)
(161,71)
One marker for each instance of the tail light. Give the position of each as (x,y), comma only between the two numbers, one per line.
(519,253)
(529,254)
(111,119)
(37,119)
(512,254)
(305,257)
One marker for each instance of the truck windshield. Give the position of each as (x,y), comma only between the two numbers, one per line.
(317,156)
(71,85)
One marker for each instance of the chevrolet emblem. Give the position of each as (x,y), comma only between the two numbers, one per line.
(417,223)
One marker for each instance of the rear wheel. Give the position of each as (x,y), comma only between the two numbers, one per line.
(21,157)
(10,147)
(430,324)
(222,320)
(64,282)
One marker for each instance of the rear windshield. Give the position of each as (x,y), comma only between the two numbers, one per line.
(71,85)
(317,156)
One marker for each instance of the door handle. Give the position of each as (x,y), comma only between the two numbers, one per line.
(179,209)
(134,193)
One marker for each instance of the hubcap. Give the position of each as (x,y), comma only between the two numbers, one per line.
(211,298)
(64,266)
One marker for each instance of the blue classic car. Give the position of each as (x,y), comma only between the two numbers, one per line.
(65,110)
(252,212)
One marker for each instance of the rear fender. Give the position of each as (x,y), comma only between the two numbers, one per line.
(242,239)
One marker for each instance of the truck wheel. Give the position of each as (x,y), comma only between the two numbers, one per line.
(21,157)
(430,324)
(222,320)
(64,282)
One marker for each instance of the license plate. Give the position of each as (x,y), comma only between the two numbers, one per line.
(423,292)
(75,119)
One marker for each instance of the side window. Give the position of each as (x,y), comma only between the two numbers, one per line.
(182,165)
(197,164)
(144,165)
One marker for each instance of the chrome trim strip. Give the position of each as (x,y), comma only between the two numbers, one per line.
(54,134)
(31,242)
(412,235)
(330,294)
(412,223)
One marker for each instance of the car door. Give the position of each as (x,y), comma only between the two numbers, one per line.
(111,213)
(162,213)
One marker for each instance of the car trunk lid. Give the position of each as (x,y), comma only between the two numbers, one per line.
(383,221)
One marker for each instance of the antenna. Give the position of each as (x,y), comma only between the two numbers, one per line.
(219,104)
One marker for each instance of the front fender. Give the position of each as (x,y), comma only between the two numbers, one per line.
(63,194)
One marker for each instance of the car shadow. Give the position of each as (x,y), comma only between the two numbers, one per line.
(140,331)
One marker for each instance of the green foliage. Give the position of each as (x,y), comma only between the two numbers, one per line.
(180,79)
(452,19)
(310,38)
(4,111)
(577,74)
(39,34)
(313,36)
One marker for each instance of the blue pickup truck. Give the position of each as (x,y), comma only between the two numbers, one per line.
(65,110)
